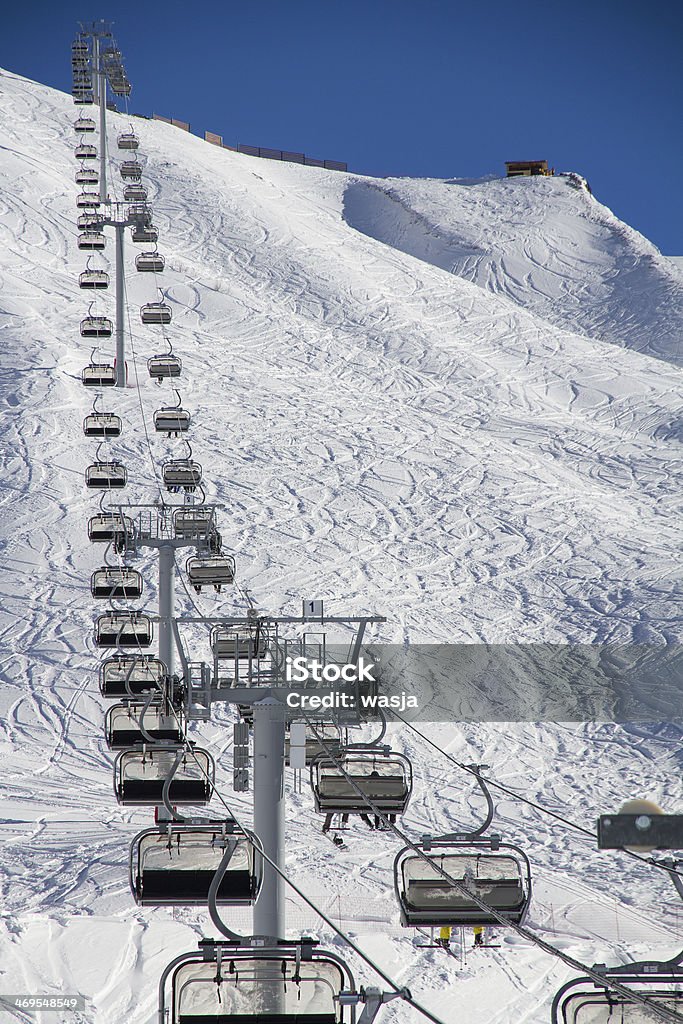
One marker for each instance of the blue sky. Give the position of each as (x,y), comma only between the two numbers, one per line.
(436,88)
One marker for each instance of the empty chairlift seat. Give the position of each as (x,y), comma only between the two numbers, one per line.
(283,984)
(116,582)
(125,676)
(181,474)
(584,1001)
(171,420)
(98,375)
(140,212)
(175,864)
(123,629)
(85,152)
(91,241)
(128,140)
(102,424)
(134,194)
(193,523)
(106,476)
(384,779)
(88,200)
(241,641)
(165,366)
(87,176)
(96,327)
(132,724)
(496,873)
(90,221)
(110,528)
(144,233)
(93,279)
(131,170)
(139,775)
(84,124)
(150,262)
(215,571)
(156,313)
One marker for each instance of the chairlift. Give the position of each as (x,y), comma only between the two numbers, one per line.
(93,279)
(171,420)
(497,873)
(328,741)
(123,629)
(134,194)
(88,201)
(91,240)
(90,222)
(96,327)
(585,1001)
(164,366)
(214,571)
(242,641)
(125,675)
(140,776)
(155,313)
(128,140)
(131,170)
(193,523)
(150,262)
(107,476)
(98,375)
(116,582)
(84,125)
(384,777)
(129,725)
(174,864)
(102,424)
(79,48)
(87,176)
(181,474)
(140,212)
(144,233)
(110,528)
(85,152)
(282,983)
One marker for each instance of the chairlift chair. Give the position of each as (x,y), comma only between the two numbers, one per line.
(141,212)
(150,262)
(132,724)
(193,522)
(144,233)
(88,201)
(135,194)
(585,1001)
(84,124)
(171,420)
(214,571)
(116,582)
(96,327)
(106,476)
(91,241)
(110,528)
(385,778)
(329,736)
(283,983)
(164,366)
(90,222)
(102,424)
(128,140)
(123,629)
(81,99)
(497,873)
(93,279)
(156,313)
(131,170)
(85,152)
(139,675)
(140,775)
(87,176)
(98,375)
(181,474)
(242,641)
(173,865)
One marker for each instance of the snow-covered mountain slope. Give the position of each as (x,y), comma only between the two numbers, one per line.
(544,243)
(382,433)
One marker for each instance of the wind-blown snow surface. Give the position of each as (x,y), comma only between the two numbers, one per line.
(453,405)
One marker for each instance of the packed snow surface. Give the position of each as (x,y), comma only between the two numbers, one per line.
(453,404)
